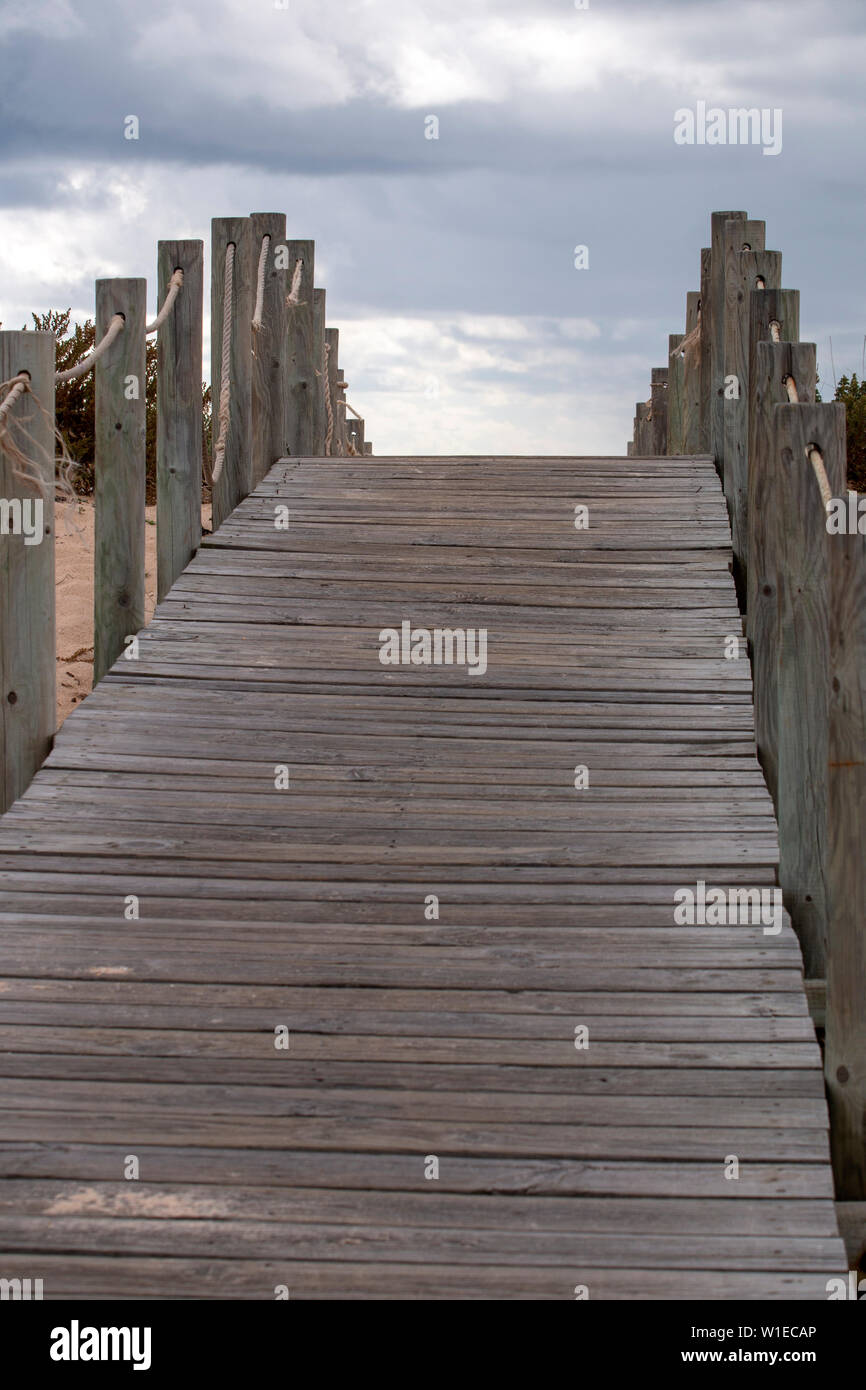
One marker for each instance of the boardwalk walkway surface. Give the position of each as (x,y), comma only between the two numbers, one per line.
(304,908)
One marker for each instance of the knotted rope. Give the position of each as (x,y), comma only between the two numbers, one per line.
(115,326)
(328,405)
(816,458)
(29,471)
(175,286)
(260,283)
(293,296)
(224,415)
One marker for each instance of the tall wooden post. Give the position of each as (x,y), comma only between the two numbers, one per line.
(268,344)
(803,658)
(713,336)
(659,409)
(845,1047)
(745,271)
(774,363)
(235,481)
(766,307)
(301,379)
(675,394)
(178,413)
(320,417)
(119,494)
(28,652)
(332,339)
(691,407)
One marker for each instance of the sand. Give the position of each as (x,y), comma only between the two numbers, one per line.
(74,562)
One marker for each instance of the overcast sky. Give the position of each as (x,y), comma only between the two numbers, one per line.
(448,263)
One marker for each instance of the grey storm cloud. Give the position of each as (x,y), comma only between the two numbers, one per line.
(543,144)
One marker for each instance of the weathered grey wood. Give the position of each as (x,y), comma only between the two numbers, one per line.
(320,427)
(332,435)
(629,448)
(803,655)
(302,362)
(643,430)
(713,335)
(269,346)
(766,307)
(845,1051)
(659,409)
(774,362)
(746,270)
(691,384)
(179,413)
(675,395)
(28,663)
(412,1034)
(119,490)
(368,447)
(235,481)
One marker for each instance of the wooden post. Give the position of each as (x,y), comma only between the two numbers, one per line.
(235,481)
(765,307)
(301,379)
(643,430)
(659,410)
(713,336)
(355,434)
(368,447)
(774,362)
(28,652)
(803,661)
(691,390)
(745,271)
(119,493)
(845,1046)
(268,345)
(629,449)
(332,338)
(320,418)
(178,413)
(675,395)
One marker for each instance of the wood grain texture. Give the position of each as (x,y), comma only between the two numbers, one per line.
(320,421)
(235,481)
(803,658)
(845,1069)
(745,270)
(301,362)
(179,414)
(268,345)
(713,333)
(415,1030)
(119,487)
(28,664)
(774,362)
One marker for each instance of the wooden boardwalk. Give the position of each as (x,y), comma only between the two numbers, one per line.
(412,1038)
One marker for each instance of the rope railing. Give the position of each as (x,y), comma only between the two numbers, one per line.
(329,407)
(260,283)
(294,295)
(816,458)
(175,285)
(115,327)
